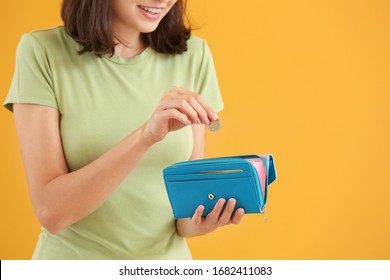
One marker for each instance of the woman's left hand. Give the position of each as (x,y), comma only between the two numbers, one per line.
(218,217)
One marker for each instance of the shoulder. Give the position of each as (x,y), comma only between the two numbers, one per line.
(46,41)
(196,42)
(196,45)
(197,49)
(51,36)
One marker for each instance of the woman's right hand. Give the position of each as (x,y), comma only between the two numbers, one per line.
(60,197)
(177,108)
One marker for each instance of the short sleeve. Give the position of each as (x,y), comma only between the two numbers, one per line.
(207,82)
(32,81)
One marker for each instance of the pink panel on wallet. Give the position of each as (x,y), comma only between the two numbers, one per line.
(261,170)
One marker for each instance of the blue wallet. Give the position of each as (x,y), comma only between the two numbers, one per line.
(202,182)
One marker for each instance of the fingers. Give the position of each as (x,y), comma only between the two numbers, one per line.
(204,112)
(213,216)
(200,111)
(226,215)
(175,114)
(177,108)
(220,216)
(197,217)
(190,109)
(238,215)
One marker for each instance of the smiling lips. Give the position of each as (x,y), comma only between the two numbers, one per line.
(151,10)
(151,13)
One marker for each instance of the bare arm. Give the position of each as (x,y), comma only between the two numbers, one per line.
(61,198)
(199,135)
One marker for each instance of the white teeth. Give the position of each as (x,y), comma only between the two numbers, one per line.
(152,10)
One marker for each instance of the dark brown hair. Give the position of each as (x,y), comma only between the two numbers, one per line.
(88,22)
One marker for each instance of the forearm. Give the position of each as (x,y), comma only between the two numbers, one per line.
(183,226)
(72,196)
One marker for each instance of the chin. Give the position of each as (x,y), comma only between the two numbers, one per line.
(148,29)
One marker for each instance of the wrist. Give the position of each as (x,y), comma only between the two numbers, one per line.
(147,137)
(185,228)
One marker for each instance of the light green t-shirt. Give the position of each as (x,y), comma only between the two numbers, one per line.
(102,100)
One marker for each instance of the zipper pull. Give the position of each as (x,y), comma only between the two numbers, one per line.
(262,210)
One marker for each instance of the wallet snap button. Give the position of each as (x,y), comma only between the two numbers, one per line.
(211,196)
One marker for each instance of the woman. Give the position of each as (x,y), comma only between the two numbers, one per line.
(101,106)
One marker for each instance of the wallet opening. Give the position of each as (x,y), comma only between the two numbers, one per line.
(221,171)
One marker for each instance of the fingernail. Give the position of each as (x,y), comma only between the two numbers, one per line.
(221,202)
(213,116)
(207,120)
(240,212)
(232,200)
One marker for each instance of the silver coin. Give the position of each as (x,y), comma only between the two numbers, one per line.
(214,126)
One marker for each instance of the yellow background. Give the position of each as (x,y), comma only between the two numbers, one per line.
(305,80)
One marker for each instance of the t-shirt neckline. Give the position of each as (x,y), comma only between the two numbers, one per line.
(135,59)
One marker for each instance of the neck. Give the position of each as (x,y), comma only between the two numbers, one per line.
(129,50)
(128,42)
